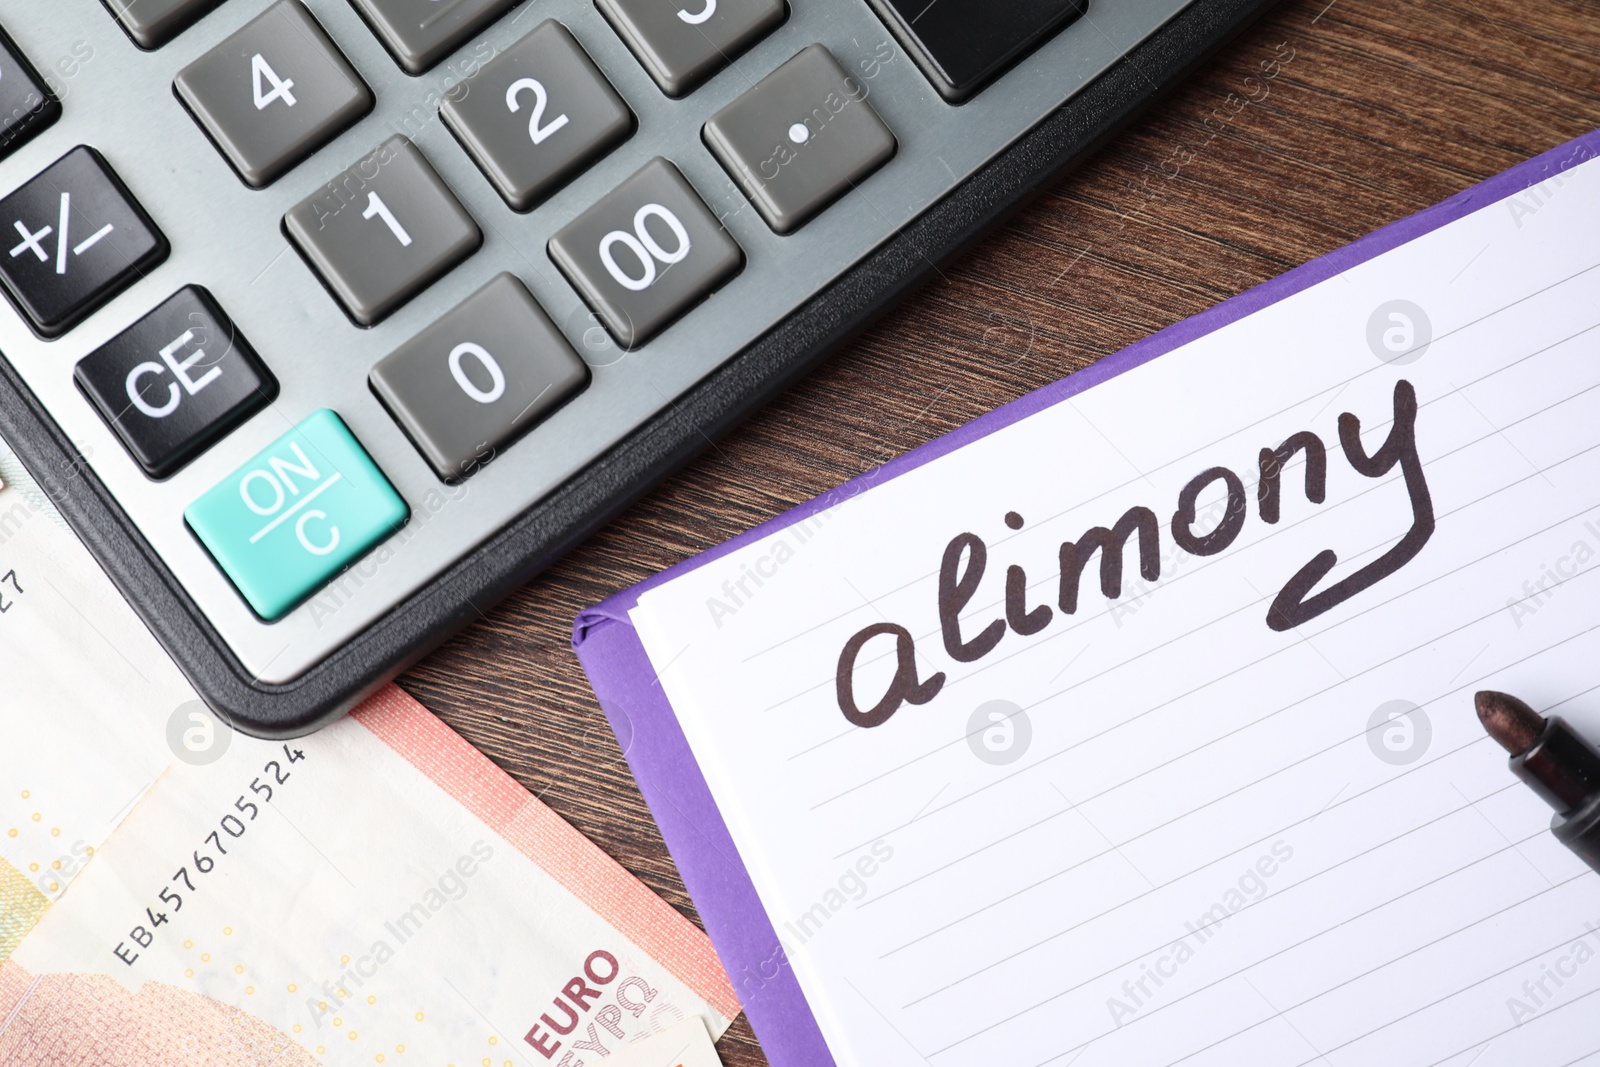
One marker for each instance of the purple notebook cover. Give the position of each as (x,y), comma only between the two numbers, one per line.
(648,729)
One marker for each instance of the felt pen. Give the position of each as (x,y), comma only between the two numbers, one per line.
(1557,762)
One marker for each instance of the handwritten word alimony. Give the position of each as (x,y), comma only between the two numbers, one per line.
(965,559)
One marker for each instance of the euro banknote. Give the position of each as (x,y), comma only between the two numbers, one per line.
(379,892)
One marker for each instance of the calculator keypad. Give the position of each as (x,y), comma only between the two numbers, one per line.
(26,105)
(175,381)
(419,33)
(382,231)
(646,253)
(307,506)
(152,23)
(74,237)
(800,139)
(683,42)
(537,114)
(273,93)
(472,382)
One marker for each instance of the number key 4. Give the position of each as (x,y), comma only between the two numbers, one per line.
(273,93)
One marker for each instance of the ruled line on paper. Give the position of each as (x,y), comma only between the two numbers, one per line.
(1279,832)
(1431,1004)
(1136,957)
(1300,1004)
(1469,804)
(1156,1010)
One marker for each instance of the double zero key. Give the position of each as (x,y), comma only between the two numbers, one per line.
(646,253)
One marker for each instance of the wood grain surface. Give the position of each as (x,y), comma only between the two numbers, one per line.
(1321,124)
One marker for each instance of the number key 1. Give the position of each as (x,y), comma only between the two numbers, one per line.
(537,114)
(382,231)
(273,93)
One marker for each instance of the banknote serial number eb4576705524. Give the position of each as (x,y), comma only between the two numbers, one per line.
(230,827)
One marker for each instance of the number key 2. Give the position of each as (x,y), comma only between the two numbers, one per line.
(273,93)
(536,115)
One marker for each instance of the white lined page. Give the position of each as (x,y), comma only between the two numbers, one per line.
(1206,852)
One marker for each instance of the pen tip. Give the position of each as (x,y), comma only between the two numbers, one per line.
(1509,721)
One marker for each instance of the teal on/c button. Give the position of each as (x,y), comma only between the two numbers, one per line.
(284,524)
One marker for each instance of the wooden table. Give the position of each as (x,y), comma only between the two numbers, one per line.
(1324,122)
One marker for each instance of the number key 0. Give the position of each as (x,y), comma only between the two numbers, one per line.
(485,373)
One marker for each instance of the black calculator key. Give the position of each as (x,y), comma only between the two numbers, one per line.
(26,104)
(71,239)
(961,44)
(175,381)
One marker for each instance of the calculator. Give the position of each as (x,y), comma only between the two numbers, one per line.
(328,323)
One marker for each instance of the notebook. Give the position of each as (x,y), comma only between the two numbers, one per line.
(1132,723)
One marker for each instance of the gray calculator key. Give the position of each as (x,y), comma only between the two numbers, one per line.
(152,23)
(800,139)
(683,42)
(536,114)
(474,381)
(382,231)
(419,33)
(646,253)
(273,93)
